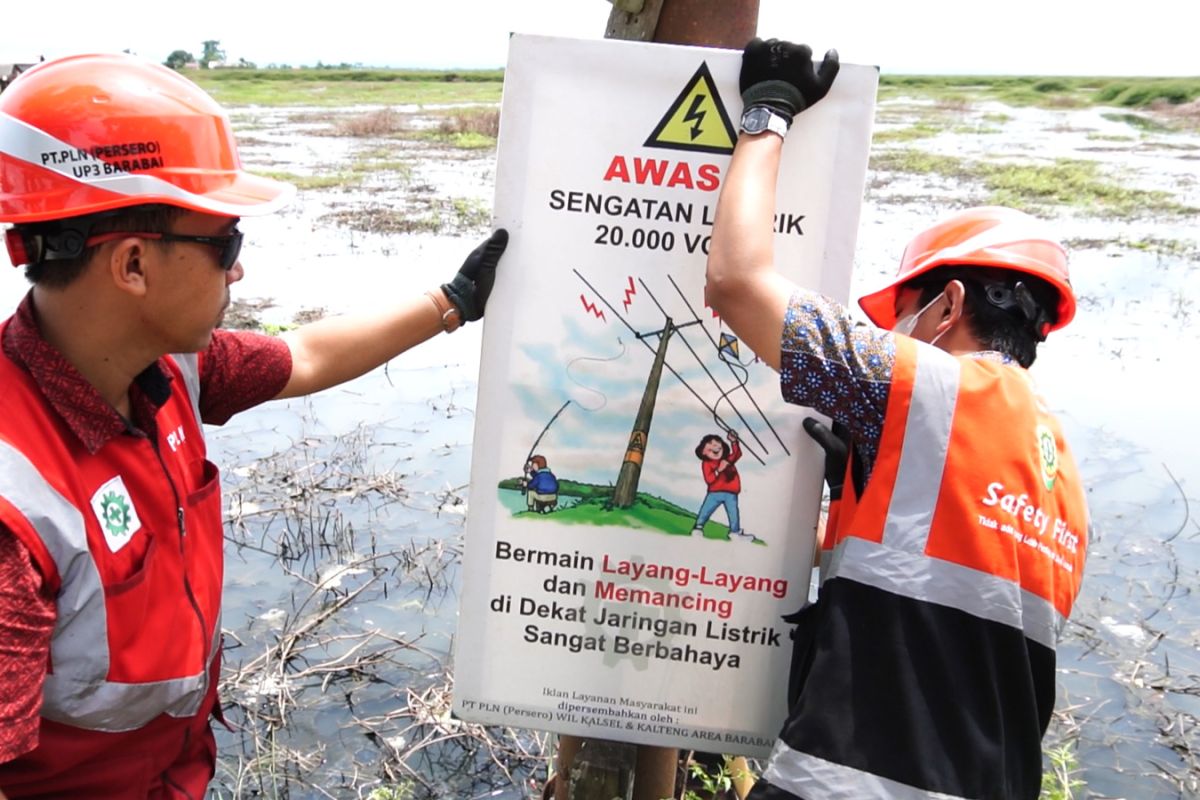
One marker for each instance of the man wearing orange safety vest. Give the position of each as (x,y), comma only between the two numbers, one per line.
(926,668)
(122,187)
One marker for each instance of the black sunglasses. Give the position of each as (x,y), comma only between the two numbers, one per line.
(228,246)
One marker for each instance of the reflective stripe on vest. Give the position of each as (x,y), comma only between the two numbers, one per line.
(808,776)
(77,692)
(899,564)
(189,368)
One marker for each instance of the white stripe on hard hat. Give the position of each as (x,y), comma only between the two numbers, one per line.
(24,142)
(1000,234)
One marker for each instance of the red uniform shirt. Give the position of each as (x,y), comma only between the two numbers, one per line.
(237,371)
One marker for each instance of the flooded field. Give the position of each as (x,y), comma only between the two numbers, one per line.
(345,510)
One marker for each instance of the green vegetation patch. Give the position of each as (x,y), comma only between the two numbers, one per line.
(1060,779)
(1138,121)
(384,219)
(425,215)
(647,511)
(335,87)
(1074,183)
(1033,187)
(1141,93)
(921,130)
(1044,91)
(1153,244)
(336,180)
(919,162)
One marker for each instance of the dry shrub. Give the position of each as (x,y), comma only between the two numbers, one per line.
(954,103)
(486,123)
(383,122)
(1186,110)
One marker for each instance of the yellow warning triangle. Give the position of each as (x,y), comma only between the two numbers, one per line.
(697,120)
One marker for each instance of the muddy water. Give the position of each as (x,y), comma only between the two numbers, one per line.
(1120,377)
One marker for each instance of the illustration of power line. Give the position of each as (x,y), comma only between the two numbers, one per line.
(625,489)
(722,348)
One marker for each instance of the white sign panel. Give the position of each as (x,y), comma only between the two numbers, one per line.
(643,503)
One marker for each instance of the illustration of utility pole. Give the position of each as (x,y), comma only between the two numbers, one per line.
(625,490)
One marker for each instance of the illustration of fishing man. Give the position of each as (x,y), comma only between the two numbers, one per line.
(541,486)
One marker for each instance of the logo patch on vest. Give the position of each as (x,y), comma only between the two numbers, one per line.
(114,510)
(1048,453)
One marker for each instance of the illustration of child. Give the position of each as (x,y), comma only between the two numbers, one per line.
(717,461)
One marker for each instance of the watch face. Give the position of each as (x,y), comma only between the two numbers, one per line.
(755,119)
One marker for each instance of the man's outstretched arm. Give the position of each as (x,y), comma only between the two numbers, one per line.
(331,351)
(743,285)
(778,80)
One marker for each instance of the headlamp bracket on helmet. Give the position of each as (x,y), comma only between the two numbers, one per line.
(57,240)
(28,245)
(1019,301)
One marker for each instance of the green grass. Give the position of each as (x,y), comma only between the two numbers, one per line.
(1140,93)
(1073,183)
(1059,781)
(647,512)
(594,508)
(1047,92)
(364,163)
(336,180)
(1170,248)
(921,130)
(1109,137)
(1033,187)
(332,88)
(1136,121)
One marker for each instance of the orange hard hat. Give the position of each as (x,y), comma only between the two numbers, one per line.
(89,133)
(988,236)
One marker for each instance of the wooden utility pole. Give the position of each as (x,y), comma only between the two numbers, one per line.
(729,24)
(625,491)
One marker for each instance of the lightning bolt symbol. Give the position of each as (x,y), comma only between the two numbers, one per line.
(694,113)
(591,307)
(710,308)
(629,293)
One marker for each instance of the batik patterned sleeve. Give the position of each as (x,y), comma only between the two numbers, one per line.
(836,366)
(26,624)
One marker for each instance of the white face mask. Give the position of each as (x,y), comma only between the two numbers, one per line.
(906,325)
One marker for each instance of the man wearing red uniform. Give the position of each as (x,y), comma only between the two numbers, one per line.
(123,189)
(926,668)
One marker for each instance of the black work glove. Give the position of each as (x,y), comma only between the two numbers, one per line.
(470,288)
(781,76)
(836,444)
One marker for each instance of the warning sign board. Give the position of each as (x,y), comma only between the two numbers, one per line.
(697,120)
(606,592)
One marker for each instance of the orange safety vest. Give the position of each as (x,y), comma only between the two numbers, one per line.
(129,542)
(930,672)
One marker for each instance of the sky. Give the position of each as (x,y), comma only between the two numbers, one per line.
(1012,37)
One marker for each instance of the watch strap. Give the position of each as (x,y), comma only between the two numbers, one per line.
(776,123)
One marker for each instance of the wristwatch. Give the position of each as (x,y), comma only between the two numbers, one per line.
(757,119)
